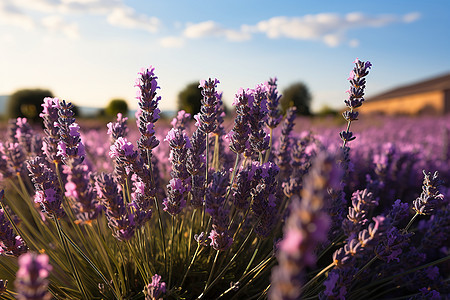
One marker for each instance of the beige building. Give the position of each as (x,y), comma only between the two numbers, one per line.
(430,96)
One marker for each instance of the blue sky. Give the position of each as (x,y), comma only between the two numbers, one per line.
(89,51)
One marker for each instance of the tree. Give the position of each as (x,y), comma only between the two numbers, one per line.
(116,106)
(297,94)
(27,103)
(189,99)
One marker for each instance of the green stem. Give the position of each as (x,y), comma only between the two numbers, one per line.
(228,265)
(253,257)
(233,175)
(270,145)
(172,239)
(161,230)
(75,246)
(348,128)
(216,162)
(206,177)
(70,258)
(190,265)
(411,221)
(212,270)
(310,282)
(365,267)
(22,186)
(390,278)
(191,228)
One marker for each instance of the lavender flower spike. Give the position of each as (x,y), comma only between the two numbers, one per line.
(430,197)
(155,289)
(206,119)
(273,101)
(10,243)
(148,112)
(3,286)
(50,115)
(305,228)
(31,278)
(70,147)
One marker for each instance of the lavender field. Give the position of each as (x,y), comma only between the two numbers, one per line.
(258,206)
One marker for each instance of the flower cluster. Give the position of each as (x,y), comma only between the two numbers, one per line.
(116,217)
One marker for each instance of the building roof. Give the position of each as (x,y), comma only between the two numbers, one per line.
(436,83)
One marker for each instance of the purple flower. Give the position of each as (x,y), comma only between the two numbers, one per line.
(118,128)
(283,154)
(273,101)
(31,278)
(239,135)
(148,110)
(259,140)
(50,116)
(391,245)
(119,215)
(355,96)
(155,289)
(10,243)
(180,120)
(175,201)
(48,192)
(206,119)
(3,286)
(220,240)
(83,191)
(306,227)
(70,147)
(265,198)
(430,198)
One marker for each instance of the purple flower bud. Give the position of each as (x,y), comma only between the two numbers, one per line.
(31,278)
(155,289)
(3,286)
(220,240)
(430,198)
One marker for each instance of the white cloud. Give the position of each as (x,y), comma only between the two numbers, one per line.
(118,14)
(203,29)
(56,23)
(213,29)
(353,43)
(11,15)
(128,18)
(411,17)
(329,28)
(172,42)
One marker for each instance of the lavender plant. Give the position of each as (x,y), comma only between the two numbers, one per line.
(256,213)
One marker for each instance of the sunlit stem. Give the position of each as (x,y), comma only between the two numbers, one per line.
(365,267)
(411,221)
(349,122)
(253,257)
(310,282)
(22,186)
(212,270)
(206,178)
(161,231)
(228,265)
(216,161)
(190,265)
(270,145)
(233,175)
(172,242)
(70,258)
(75,246)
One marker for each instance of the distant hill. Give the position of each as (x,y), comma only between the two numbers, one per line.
(85,111)
(3,104)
